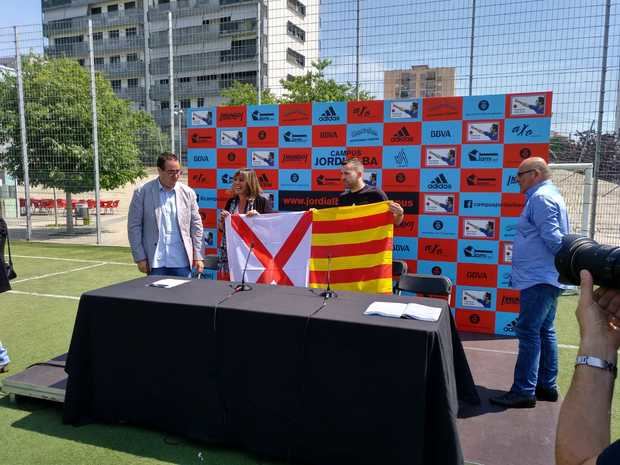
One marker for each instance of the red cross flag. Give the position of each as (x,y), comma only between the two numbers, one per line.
(278,245)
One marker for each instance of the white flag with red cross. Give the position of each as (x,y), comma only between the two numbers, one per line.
(277,244)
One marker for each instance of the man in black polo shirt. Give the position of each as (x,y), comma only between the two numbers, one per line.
(359,193)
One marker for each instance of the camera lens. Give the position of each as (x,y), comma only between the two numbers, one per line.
(581,253)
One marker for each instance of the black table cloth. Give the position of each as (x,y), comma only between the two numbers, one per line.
(276,370)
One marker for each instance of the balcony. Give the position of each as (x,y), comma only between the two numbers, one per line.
(182,8)
(104,20)
(80,49)
(131,93)
(209,64)
(185,90)
(118,70)
(183,36)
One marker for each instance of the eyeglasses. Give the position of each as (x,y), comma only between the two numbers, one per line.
(524,172)
(174,172)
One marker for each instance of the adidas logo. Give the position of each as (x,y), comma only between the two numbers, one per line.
(329,115)
(440,183)
(402,136)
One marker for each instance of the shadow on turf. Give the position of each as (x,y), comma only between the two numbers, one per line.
(46,418)
(469,410)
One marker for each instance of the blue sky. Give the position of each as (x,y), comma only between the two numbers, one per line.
(16,12)
(521,45)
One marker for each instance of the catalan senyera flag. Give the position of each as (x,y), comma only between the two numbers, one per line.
(355,245)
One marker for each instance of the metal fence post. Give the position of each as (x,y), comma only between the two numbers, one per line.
(259,80)
(93,94)
(171,80)
(24,140)
(599,126)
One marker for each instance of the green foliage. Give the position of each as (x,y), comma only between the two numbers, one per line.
(59,128)
(244,93)
(310,87)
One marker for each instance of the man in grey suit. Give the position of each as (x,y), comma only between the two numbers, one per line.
(164,226)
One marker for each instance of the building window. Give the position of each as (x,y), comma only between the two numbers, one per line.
(97,35)
(99,60)
(205,22)
(96,10)
(132,57)
(115,60)
(185,79)
(133,82)
(230,2)
(200,102)
(161,2)
(210,77)
(295,31)
(114,34)
(81,61)
(164,105)
(163,82)
(240,50)
(131,32)
(116,84)
(186,103)
(130,5)
(68,40)
(295,58)
(112,8)
(296,6)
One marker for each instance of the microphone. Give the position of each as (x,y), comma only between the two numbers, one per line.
(243,286)
(328,293)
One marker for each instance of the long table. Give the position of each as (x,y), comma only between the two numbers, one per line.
(275,370)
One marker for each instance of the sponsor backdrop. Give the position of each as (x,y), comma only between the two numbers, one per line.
(451,162)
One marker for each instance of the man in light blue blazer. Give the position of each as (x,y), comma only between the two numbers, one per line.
(163,225)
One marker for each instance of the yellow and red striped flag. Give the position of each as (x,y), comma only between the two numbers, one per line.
(355,245)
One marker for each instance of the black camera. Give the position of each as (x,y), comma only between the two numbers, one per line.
(582,253)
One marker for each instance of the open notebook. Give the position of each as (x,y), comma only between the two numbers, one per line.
(403,310)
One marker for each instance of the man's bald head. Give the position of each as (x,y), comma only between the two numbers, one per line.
(538,164)
(532,171)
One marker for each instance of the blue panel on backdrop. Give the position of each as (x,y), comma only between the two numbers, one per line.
(527,130)
(484,107)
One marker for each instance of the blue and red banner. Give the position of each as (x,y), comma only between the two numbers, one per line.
(451,162)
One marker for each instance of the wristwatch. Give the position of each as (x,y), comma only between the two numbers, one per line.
(596,363)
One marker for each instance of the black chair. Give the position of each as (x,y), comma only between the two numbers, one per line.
(399,268)
(426,285)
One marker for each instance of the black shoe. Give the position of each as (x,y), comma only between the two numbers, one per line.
(514,400)
(547,394)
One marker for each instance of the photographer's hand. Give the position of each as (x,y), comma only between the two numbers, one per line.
(609,301)
(583,426)
(592,313)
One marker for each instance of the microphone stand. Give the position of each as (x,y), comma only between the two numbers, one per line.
(328,293)
(244,286)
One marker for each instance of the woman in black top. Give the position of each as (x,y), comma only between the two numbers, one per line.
(246,199)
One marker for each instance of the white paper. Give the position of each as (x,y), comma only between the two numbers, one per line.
(391,309)
(422,312)
(402,310)
(168,283)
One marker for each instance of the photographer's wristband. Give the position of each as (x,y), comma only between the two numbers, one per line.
(596,362)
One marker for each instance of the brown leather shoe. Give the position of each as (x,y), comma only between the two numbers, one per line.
(4,368)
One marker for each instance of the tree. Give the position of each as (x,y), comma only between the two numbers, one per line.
(244,93)
(314,87)
(310,87)
(59,129)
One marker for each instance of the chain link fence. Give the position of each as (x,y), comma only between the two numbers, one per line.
(381,48)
